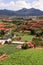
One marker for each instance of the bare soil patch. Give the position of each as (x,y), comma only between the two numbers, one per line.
(1,46)
(40,48)
(4,56)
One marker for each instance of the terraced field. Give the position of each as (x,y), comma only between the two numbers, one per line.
(27,38)
(21,57)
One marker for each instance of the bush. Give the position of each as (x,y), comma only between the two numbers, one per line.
(25,46)
(37,41)
(42,43)
(17,38)
(1,53)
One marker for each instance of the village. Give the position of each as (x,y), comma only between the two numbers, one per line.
(13,29)
(21,32)
(17,35)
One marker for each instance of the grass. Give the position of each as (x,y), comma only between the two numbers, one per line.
(27,38)
(21,57)
(8,49)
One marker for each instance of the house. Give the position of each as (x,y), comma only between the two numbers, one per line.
(2,41)
(18,42)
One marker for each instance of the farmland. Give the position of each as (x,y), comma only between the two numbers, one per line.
(21,57)
(27,38)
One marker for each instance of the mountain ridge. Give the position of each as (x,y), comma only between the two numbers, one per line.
(22,12)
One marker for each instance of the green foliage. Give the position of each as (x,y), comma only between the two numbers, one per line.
(42,43)
(2,33)
(32,32)
(21,57)
(1,53)
(38,34)
(37,41)
(18,22)
(27,33)
(25,46)
(27,37)
(41,17)
(8,49)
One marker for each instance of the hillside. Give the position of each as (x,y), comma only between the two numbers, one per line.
(22,12)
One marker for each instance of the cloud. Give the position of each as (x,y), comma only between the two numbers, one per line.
(22,4)
(38,4)
(19,4)
(9,5)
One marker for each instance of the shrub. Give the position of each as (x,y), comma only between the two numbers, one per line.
(17,38)
(1,53)
(25,46)
(37,41)
(42,43)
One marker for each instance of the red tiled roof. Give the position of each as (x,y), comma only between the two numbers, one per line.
(4,29)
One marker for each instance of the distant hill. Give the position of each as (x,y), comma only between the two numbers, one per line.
(22,12)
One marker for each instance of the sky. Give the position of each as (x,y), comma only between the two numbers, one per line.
(19,4)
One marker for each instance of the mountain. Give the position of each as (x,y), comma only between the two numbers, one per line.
(7,12)
(22,12)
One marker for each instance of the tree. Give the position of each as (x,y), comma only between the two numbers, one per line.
(32,32)
(41,30)
(37,41)
(2,33)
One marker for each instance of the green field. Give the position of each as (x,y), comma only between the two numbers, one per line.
(27,38)
(21,57)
